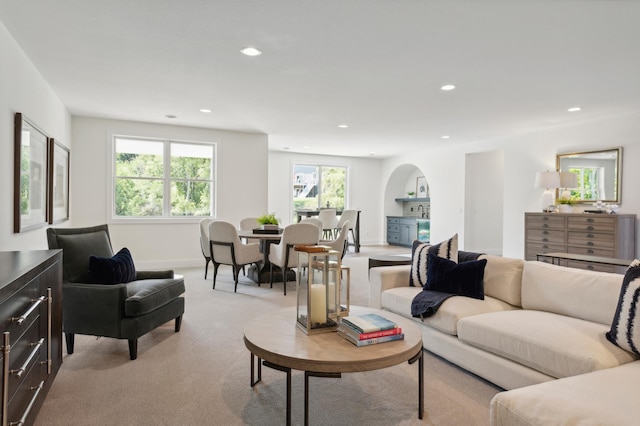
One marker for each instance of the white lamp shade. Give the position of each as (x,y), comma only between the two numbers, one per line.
(548,180)
(568,180)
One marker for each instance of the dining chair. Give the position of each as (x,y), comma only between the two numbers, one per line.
(249,223)
(350,216)
(283,256)
(204,243)
(314,221)
(340,243)
(227,249)
(329,222)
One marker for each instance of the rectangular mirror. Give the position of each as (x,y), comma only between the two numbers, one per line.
(599,175)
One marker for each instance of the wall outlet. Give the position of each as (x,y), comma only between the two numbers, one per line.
(411,208)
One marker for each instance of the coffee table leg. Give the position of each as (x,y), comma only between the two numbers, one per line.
(308,374)
(288,371)
(418,357)
(253,383)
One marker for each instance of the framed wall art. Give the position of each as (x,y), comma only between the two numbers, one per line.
(59,162)
(30,187)
(422,190)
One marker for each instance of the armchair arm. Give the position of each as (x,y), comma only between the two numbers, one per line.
(93,309)
(384,278)
(148,275)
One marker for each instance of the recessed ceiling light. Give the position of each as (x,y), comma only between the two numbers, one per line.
(170,116)
(343,126)
(286,148)
(306,147)
(251,51)
(372,154)
(445,137)
(574,109)
(205,110)
(448,87)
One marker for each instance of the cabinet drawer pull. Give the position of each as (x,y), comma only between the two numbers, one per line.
(19,320)
(546,225)
(590,243)
(589,235)
(590,251)
(27,410)
(589,228)
(20,371)
(545,239)
(545,246)
(589,266)
(545,232)
(545,218)
(590,219)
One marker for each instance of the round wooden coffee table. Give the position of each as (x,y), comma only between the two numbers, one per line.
(278,343)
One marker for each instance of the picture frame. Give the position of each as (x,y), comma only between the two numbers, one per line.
(30,194)
(422,189)
(59,166)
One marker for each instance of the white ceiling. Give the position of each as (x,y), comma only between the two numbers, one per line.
(376,65)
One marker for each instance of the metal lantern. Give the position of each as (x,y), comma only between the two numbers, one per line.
(318,289)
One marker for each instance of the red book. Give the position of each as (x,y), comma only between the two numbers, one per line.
(381,333)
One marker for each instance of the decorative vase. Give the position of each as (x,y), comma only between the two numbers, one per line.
(565,208)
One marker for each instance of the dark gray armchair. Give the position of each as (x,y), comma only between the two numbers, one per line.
(122,311)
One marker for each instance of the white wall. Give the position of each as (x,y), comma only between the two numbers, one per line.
(22,89)
(364,190)
(524,155)
(241,187)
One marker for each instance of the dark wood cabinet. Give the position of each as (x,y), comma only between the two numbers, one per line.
(31,327)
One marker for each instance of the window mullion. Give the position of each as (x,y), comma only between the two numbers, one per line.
(167,179)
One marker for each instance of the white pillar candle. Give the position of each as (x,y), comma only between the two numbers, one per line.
(332,296)
(318,306)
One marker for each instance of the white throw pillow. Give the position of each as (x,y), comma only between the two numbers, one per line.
(625,328)
(447,249)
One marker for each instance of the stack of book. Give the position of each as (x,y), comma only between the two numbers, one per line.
(369,329)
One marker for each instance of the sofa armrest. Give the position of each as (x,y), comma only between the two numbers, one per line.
(94,309)
(149,275)
(386,277)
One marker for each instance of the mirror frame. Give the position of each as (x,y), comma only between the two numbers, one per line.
(618,154)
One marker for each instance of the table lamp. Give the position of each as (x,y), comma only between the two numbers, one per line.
(548,180)
(568,181)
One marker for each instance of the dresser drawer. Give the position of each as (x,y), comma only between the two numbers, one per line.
(545,236)
(393,228)
(590,239)
(547,221)
(591,251)
(32,387)
(591,266)
(393,220)
(393,238)
(27,350)
(18,305)
(534,249)
(588,223)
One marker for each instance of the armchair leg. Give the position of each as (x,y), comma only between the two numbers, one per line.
(215,274)
(284,279)
(206,267)
(236,272)
(70,338)
(178,323)
(133,349)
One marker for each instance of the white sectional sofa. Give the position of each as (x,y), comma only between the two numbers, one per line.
(540,331)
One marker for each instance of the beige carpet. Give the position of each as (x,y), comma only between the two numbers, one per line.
(200,376)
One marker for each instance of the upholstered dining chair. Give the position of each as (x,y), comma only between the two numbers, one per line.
(227,249)
(340,243)
(350,216)
(314,221)
(283,256)
(204,243)
(329,222)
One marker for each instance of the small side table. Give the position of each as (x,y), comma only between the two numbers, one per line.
(388,260)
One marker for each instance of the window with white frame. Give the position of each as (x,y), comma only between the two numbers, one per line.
(319,186)
(155,178)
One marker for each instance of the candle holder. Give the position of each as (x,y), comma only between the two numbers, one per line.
(318,289)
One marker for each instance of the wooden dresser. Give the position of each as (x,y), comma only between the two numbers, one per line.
(31,314)
(606,235)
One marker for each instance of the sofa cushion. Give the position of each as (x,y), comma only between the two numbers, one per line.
(556,345)
(76,249)
(625,329)
(605,397)
(464,279)
(398,300)
(145,296)
(578,293)
(112,270)
(420,258)
(503,278)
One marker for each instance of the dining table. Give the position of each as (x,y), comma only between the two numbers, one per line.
(261,273)
(356,229)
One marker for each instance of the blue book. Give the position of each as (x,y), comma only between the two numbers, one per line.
(369,322)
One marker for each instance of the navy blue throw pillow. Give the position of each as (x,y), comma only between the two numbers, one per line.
(112,270)
(462,279)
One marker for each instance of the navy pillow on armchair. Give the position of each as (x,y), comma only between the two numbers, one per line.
(112,270)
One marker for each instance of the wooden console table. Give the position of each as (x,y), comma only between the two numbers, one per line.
(582,261)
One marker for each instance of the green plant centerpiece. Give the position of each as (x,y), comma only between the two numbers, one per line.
(268,219)
(411,194)
(565,205)
(566,201)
